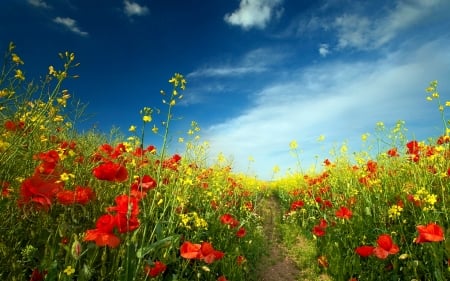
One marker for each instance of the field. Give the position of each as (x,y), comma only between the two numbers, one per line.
(107,207)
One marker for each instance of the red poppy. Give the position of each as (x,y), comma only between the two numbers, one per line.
(385,247)
(39,191)
(145,184)
(155,270)
(38,275)
(126,223)
(209,254)
(125,205)
(241,232)
(372,166)
(222,278)
(429,233)
(229,220)
(81,195)
(189,250)
(344,213)
(297,205)
(365,251)
(393,152)
(102,238)
(110,171)
(318,231)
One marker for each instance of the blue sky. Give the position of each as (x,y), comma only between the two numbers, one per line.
(260,73)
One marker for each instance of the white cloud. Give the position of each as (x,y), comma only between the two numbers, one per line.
(324,50)
(254,13)
(39,4)
(255,61)
(71,24)
(134,9)
(362,32)
(341,100)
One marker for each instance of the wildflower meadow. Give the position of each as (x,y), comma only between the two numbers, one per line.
(93,206)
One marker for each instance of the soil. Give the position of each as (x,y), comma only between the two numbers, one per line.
(276,265)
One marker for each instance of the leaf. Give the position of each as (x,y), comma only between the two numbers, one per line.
(166,242)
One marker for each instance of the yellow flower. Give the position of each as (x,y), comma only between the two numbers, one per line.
(16,59)
(19,75)
(147,118)
(51,70)
(293,145)
(132,128)
(180,140)
(155,129)
(69,270)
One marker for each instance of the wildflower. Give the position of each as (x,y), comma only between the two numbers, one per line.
(296,205)
(222,278)
(209,254)
(147,118)
(189,250)
(229,220)
(344,213)
(19,75)
(385,247)
(16,59)
(364,251)
(394,211)
(110,171)
(81,195)
(241,232)
(429,233)
(155,270)
(38,275)
(293,145)
(132,128)
(69,270)
(103,233)
(393,152)
(203,251)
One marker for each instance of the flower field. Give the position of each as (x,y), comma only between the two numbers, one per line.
(96,207)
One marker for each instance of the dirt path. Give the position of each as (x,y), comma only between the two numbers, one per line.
(276,265)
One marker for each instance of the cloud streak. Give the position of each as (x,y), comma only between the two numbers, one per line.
(71,25)
(39,4)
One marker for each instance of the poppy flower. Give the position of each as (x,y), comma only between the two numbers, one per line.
(229,220)
(102,238)
(385,247)
(393,152)
(155,270)
(38,275)
(241,232)
(364,251)
(39,191)
(81,195)
(344,213)
(318,231)
(125,205)
(297,205)
(209,254)
(110,171)
(222,278)
(189,250)
(429,233)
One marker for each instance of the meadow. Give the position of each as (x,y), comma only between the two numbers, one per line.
(90,206)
